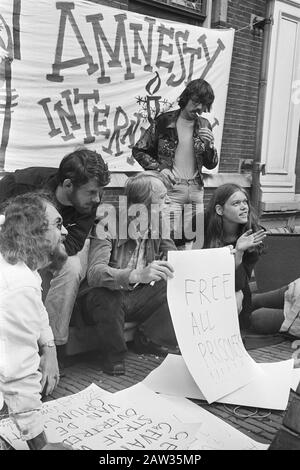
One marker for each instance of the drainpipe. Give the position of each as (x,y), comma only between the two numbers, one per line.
(258,167)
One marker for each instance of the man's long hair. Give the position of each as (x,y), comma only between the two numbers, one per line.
(138,188)
(214,231)
(22,235)
(199,91)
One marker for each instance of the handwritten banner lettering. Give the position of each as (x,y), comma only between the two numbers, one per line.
(94,419)
(78,73)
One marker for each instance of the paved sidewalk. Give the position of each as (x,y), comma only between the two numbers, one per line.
(261,425)
(82,370)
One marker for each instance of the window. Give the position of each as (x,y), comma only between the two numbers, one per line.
(186,11)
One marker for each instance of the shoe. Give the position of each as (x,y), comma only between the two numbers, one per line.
(143,345)
(113,368)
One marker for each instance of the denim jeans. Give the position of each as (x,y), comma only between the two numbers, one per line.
(187,201)
(62,293)
(267,315)
(109,309)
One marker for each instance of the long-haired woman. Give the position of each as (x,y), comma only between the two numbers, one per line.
(229,220)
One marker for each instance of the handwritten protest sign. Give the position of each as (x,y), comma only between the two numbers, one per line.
(202,303)
(270,390)
(94,419)
(213,433)
(209,432)
(10,433)
(77,72)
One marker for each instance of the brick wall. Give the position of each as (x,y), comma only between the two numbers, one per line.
(241,109)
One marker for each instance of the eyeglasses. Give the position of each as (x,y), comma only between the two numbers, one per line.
(58,225)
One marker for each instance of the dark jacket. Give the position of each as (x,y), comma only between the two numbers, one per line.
(34,178)
(155,150)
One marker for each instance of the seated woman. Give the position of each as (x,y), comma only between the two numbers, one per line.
(229,220)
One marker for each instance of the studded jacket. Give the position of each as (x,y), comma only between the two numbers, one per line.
(155,150)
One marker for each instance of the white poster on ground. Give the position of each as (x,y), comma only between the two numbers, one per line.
(70,419)
(201,298)
(270,390)
(213,432)
(97,420)
(81,73)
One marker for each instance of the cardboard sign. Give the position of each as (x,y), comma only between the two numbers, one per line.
(270,390)
(95,419)
(202,303)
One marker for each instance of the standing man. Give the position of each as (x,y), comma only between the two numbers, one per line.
(127,278)
(31,238)
(77,186)
(178,143)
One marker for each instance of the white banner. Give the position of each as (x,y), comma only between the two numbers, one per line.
(78,73)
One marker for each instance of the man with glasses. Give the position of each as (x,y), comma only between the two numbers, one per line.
(31,238)
(178,143)
(77,187)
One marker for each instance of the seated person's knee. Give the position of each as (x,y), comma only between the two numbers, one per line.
(267,320)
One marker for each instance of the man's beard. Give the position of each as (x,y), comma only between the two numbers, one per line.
(82,209)
(57,258)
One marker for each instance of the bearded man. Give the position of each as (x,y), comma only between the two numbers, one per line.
(31,238)
(77,186)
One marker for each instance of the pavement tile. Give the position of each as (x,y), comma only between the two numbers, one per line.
(81,370)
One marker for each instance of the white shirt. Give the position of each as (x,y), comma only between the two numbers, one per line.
(24,325)
(184,160)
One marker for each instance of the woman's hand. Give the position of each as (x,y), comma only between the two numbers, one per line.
(250,240)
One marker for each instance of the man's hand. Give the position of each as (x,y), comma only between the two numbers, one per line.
(169,175)
(49,370)
(207,136)
(155,271)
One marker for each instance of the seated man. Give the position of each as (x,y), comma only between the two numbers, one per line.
(31,238)
(77,186)
(127,277)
